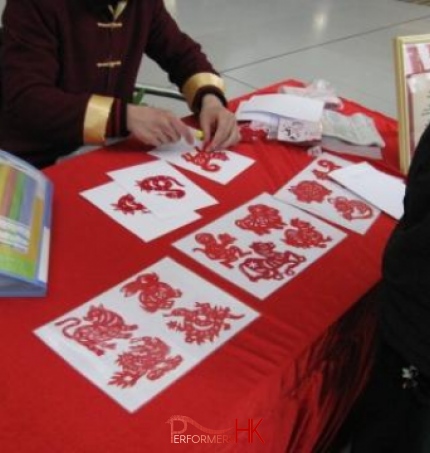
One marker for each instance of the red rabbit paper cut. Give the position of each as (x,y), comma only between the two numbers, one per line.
(220,249)
(153,294)
(309,191)
(147,357)
(261,219)
(204,159)
(103,327)
(328,167)
(304,235)
(351,209)
(273,266)
(164,185)
(127,204)
(204,323)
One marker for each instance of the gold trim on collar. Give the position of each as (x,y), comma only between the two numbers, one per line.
(118,10)
(109,64)
(197,81)
(109,24)
(96,119)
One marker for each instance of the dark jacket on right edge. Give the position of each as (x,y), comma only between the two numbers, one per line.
(405,318)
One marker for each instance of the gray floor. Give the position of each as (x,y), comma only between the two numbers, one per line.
(254,43)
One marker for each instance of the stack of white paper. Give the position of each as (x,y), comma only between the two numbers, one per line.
(282,105)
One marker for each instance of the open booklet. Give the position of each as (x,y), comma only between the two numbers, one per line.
(25,219)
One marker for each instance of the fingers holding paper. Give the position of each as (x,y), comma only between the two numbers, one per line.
(154,126)
(218,124)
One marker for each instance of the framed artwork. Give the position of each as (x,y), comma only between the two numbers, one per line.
(412,69)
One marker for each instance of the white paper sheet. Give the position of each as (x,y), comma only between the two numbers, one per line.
(260,117)
(163,189)
(285,105)
(219,166)
(261,245)
(382,190)
(139,337)
(314,191)
(140,221)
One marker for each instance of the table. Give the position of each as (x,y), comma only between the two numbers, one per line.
(292,374)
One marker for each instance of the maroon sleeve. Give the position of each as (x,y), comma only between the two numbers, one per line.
(30,56)
(202,92)
(179,55)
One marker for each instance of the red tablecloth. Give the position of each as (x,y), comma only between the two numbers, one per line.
(297,368)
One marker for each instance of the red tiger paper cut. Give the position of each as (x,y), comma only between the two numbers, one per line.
(153,294)
(204,323)
(104,325)
(261,219)
(351,209)
(270,267)
(165,185)
(147,357)
(203,159)
(220,249)
(304,235)
(309,191)
(328,166)
(127,204)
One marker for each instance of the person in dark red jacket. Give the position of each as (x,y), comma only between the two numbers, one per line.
(68,73)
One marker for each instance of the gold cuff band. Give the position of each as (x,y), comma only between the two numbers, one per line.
(96,119)
(197,81)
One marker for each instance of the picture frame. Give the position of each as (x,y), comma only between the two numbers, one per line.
(412,75)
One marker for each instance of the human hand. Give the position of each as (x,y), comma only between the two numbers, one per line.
(154,126)
(218,124)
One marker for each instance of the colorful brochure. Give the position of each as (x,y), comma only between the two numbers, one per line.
(25,220)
